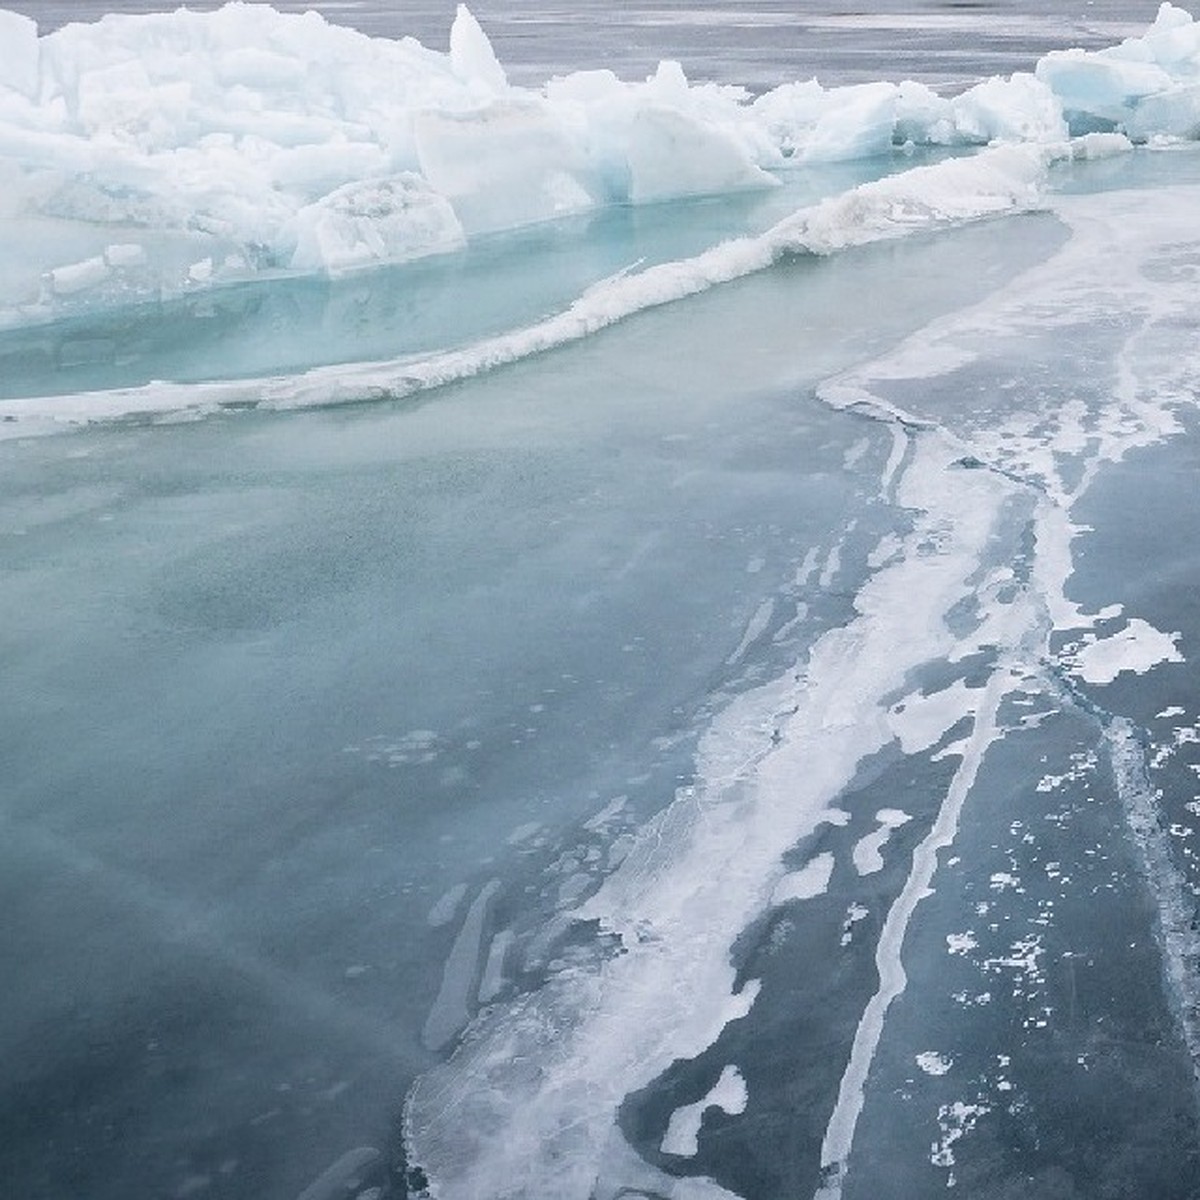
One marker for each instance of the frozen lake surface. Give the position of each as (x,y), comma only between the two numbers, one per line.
(609,639)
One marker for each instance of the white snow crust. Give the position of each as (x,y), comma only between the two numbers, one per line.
(1136,648)
(221,145)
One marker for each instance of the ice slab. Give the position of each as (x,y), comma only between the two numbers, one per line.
(247,140)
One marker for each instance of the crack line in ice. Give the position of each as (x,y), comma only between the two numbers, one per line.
(839,1132)
(200,930)
(1140,416)
(1178,938)
(771,767)
(527,1107)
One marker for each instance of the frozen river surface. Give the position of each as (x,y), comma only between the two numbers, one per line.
(648,654)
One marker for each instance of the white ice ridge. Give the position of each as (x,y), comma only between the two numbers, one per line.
(148,154)
(998,181)
(843,1123)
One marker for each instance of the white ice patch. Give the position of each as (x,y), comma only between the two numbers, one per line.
(852,456)
(419,747)
(729,1094)
(524,833)
(492,981)
(1136,648)
(933,1063)
(920,721)
(955,1121)
(443,912)
(451,1009)
(833,564)
(755,628)
(854,914)
(811,880)
(867,854)
(961,943)
(607,815)
(889,546)
(1003,881)
(367,223)
(807,568)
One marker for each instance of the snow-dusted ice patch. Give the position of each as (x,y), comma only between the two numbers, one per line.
(452,1007)
(491,983)
(933,1063)
(1137,648)
(955,1121)
(961,943)
(418,747)
(755,628)
(867,854)
(919,721)
(729,1094)
(447,905)
(811,880)
(855,913)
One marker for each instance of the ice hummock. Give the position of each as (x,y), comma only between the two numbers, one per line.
(148,156)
